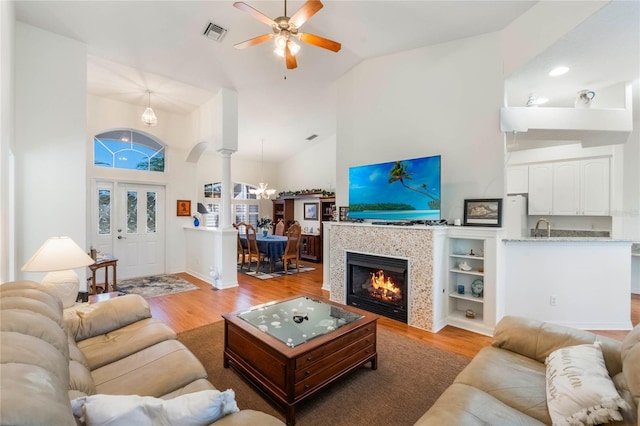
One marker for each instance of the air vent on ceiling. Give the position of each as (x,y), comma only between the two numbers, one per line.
(215,32)
(312,137)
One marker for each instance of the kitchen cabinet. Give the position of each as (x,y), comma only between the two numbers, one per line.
(540,188)
(594,187)
(570,188)
(566,188)
(518,179)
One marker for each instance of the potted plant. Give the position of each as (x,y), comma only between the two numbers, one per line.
(265,224)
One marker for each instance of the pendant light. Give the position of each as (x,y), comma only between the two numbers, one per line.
(148,116)
(262,192)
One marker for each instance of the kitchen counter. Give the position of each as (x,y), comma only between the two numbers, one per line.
(570,239)
(581,282)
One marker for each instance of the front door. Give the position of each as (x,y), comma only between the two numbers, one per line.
(130,226)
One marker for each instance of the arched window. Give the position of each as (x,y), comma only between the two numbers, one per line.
(128,149)
(245,206)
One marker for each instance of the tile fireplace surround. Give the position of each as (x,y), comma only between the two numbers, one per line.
(415,243)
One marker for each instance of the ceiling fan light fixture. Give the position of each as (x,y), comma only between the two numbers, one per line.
(294,48)
(148,116)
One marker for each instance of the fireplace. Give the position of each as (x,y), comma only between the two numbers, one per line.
(378,284)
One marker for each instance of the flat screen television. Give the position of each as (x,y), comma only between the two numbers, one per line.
(397,190)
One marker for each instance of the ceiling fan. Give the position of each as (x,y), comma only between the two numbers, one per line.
(285,29)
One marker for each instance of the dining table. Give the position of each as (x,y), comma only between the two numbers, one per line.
(272,246)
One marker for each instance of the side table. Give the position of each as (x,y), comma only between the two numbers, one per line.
(104,261)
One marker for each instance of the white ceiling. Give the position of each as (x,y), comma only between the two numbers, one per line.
(158,45)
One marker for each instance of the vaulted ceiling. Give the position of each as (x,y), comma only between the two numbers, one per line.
(135,46)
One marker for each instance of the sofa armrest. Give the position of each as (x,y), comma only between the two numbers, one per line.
(536,340)
(106,316)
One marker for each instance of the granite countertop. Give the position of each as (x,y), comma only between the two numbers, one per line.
(567,235)
(569,239)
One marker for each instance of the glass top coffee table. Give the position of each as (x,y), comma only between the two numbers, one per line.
(292,348)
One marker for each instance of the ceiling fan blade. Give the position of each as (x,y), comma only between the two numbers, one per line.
(305,12)
(290,60)
(254,12)
(254,41)
(325,43)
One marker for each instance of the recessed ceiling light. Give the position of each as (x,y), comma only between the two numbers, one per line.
(558,71)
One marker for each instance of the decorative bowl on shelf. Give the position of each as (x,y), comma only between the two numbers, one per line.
(477,288)
(470,314)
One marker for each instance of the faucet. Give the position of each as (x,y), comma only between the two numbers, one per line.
(535,232)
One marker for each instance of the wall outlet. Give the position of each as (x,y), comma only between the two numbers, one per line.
(553,300)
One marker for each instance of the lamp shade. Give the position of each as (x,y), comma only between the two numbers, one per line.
(58,254)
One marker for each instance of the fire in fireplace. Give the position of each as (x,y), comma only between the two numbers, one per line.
(378,284)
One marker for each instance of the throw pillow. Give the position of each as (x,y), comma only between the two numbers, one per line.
(192,409)
(579,389)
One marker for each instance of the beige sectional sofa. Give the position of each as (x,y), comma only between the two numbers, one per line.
(505,384)
(50,358)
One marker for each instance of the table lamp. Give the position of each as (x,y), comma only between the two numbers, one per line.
(59,256)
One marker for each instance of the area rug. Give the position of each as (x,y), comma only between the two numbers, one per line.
(275,274)
(156,285)
(411,375)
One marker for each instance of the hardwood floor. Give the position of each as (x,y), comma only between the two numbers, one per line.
(192,309)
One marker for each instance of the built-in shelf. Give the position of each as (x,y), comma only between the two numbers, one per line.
(471,272)
(467,297)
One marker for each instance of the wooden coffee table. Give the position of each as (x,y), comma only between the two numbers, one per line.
(293,348)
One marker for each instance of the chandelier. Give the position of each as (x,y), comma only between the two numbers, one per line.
(262,192)
(148,116)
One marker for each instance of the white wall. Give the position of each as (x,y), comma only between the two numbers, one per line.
(50,141)
(442,99)
(174,130)
(312,168)
(7,58)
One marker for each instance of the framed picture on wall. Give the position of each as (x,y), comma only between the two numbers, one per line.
(310,211)
(483,212)
(184,208)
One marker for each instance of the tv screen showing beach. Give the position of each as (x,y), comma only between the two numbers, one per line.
(397,190)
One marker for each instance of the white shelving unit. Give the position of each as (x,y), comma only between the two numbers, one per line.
(477,248)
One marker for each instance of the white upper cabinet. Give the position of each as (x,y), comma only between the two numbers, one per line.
(540,188)
(570,188)
(566,188)
(594,187)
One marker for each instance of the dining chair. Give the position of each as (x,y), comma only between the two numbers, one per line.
(242,252)
(292,250)
(252,247)
(279,228)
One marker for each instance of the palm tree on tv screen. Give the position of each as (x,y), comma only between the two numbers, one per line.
(399,173)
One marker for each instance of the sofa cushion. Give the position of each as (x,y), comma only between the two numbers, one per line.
(193,409)
(153,371)
(631,363)
(579,389)
(465,405)
(36,325)
(513,379)
(102,317)
(50,310)
(195,386)
(536,340)
(32,395)
(122,342)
